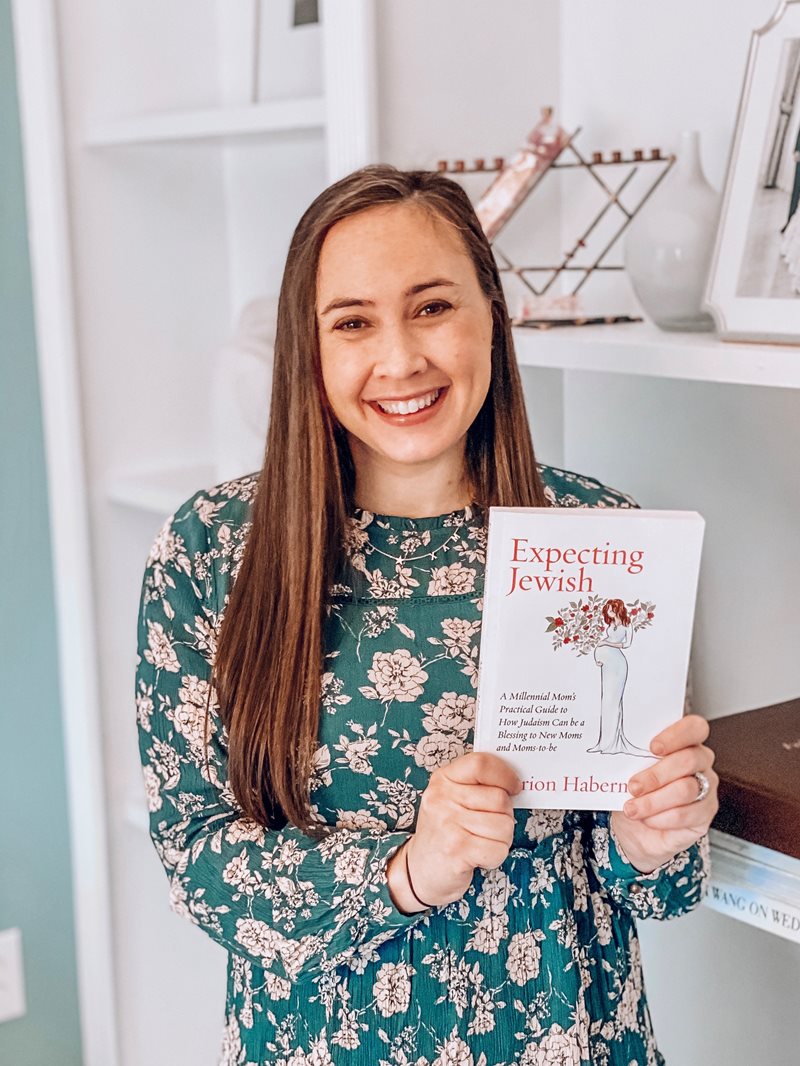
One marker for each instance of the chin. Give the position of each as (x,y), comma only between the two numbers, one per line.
(420,453)
(418,459)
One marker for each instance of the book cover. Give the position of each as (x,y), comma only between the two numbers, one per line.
(587,626)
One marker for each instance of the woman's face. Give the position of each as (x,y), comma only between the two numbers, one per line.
(405,337)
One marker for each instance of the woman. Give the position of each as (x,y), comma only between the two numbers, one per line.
(315,800)
(610,657)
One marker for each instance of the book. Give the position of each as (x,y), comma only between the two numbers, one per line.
(758,762)
(586,634)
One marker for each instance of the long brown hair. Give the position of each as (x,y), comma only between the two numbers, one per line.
(616,609)
(268,666)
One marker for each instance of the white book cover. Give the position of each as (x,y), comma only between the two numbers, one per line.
(586,634)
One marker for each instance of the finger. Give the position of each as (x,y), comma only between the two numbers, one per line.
(498,828)
(691,729)
(488,854)
(482,798)
(483,768)
(677,840)
(694,816)
(681,763)
(679,793)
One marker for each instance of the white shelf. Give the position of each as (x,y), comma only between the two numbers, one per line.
(159,491)
(643,349)
(247,120)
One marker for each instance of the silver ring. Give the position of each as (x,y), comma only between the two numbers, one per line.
(705,786)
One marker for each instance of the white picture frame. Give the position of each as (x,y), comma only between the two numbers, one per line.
(753,288)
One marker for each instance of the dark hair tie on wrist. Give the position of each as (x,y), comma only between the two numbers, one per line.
(411,883)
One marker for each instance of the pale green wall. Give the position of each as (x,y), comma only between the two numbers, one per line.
(35,877)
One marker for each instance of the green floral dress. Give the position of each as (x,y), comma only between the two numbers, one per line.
(538,963)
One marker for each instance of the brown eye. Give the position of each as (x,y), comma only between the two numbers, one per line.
(441,304)
(345,326)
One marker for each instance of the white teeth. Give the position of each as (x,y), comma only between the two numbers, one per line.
(408,407)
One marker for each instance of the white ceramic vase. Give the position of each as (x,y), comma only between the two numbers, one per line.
(668,246)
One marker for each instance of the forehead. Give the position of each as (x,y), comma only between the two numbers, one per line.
(386,247)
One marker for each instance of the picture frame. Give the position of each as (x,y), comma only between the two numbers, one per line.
(753,287)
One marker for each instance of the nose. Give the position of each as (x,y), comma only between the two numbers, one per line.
(399,353)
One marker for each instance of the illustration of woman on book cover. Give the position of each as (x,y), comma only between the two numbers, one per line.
(610,657)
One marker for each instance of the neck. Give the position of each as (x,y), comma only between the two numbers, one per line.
(410,490)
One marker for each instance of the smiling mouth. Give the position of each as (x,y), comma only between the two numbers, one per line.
(409,407)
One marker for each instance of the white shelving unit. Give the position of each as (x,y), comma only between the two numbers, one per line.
(149,234)
(272,117)
(644,350)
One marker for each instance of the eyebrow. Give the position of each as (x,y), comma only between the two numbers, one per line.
(352,301)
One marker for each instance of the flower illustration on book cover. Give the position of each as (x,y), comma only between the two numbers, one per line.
(606,628)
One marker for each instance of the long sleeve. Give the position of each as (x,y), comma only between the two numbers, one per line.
(288,903)
(674,888)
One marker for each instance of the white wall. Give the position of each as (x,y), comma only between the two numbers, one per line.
(459,79)
(636,75)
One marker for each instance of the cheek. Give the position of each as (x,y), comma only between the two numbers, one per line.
(343,380)
(482,369)
(331,381)
(329,378)
(477,342)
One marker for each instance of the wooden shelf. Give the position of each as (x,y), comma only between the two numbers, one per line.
(643,349)
(159,491)
(213,123)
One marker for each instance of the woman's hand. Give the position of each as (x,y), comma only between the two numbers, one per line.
(465,819)
(663,817)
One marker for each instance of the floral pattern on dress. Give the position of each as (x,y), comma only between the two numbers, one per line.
(538,962)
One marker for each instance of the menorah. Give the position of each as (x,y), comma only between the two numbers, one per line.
(557,271)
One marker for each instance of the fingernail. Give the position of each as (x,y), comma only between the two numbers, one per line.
(630,809)
(634,788)
(657,747)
